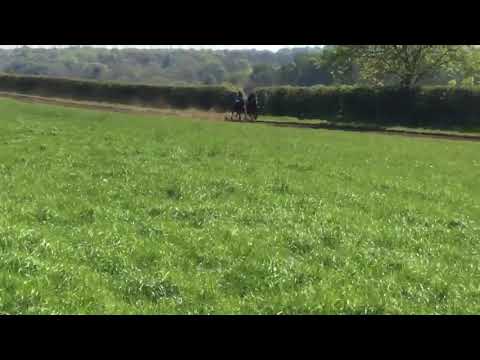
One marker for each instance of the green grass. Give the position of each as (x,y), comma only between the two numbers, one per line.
(104,213)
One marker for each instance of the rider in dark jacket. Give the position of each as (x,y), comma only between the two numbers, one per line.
(239,97)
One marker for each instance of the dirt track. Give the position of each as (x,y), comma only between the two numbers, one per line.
(220,117)
(376,131)
(130,109)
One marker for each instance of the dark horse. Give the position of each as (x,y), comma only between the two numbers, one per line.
(238,109)
(252,107)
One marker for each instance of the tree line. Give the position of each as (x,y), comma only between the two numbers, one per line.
(331,65)
(156,66)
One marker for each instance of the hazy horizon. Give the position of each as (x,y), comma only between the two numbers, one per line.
(272,48)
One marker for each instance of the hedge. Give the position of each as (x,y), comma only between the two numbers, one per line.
(200,97)
(426,106)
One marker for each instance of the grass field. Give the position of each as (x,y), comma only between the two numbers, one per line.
(104,213)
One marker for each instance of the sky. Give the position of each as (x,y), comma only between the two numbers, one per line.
(218,47)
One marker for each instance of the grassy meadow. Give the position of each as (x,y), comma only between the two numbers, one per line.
(107,213)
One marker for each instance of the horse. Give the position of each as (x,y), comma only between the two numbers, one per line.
(238,110)
(252,108)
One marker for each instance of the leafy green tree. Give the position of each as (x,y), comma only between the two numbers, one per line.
(406,65)
(341,65)
(311,70)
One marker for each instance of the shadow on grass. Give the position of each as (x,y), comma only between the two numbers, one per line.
(425,132)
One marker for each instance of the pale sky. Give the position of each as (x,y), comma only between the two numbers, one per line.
(229,47)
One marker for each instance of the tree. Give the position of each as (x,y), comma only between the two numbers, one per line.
(95,71)
(239,73)
(405,65)
(311,70)
(341,65)
(288,74)
(263,75)
(26,68)
(213,73)
(467,69)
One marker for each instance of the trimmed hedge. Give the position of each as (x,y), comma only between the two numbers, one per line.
(315,102)
(434,107)
(426,106)
(201,97)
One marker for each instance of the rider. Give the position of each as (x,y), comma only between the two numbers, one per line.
(239,97)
